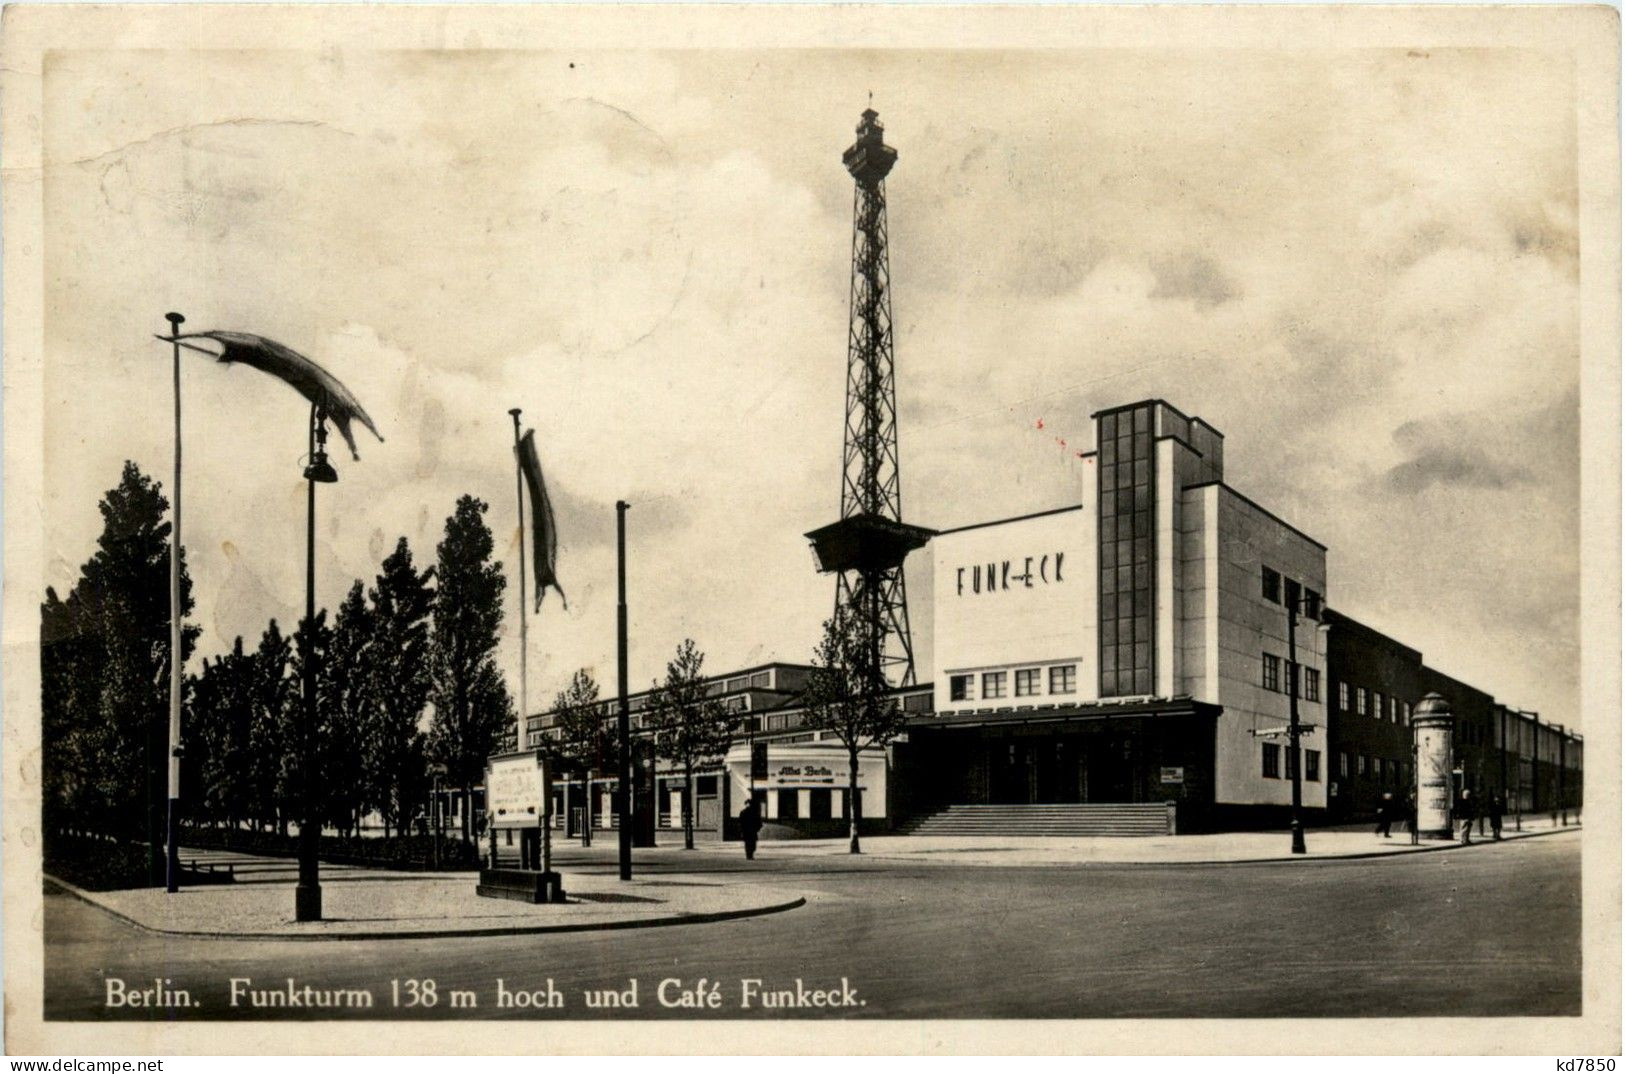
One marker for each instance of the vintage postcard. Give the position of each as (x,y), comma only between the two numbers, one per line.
(811,529)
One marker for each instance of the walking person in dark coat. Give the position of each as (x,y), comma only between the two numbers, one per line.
(1385,814)
(1410,818)
(1495,816)
(750,825)
(1467,811)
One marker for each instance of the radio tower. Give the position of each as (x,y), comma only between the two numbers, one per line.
(868,545)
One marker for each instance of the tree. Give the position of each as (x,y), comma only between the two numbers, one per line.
(396,757)
(273,702)
(847,697)
(584,735)
(348,703)
(471,705)
(222,721)
(105,671)
(691,728)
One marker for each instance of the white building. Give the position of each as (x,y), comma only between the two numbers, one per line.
(1131,648)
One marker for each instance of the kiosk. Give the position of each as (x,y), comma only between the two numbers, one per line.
(518,799)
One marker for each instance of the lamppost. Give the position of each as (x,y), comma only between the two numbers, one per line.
(307,895)
(1294,754)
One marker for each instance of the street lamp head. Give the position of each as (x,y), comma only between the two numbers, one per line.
(175,321)
(320,470)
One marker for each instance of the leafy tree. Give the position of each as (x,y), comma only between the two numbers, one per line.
(584,735)
(273,701)
(471,704)
(304,790)
(105,669)
(396,755)
(221,724)
(847,696)
(348,698)
(691,728)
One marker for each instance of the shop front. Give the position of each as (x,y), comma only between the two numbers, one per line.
(803,789)
(1094,754)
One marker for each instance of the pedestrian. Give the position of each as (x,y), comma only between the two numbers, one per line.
(1496,809)
(1467,809)
(750,824)
(1410,817)
(1385,814)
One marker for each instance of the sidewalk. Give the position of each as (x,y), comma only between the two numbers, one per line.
(372,904)
(1228,848)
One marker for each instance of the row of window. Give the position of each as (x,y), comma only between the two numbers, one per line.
(1305,686)
(1304,599)
(1272,763)
(1361,701)
(1063,679)
(1381,769)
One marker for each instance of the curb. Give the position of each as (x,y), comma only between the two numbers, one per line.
(1428,848)
(432,934)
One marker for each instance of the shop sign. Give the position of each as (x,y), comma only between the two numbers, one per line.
(1002,575)
(805,773)
(1173,775)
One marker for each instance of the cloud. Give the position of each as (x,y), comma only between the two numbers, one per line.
(1195,277)
(1437,456)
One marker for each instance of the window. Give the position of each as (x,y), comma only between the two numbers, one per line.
(1311,766)
(1380,704)
(1027,682)
(1362,767)
(1311,604)
(818,803)
(992,685)
(1342,764)
(1272,586)
(1343,699)
(1127,490)
(1272,671)
(1063,679)
(1272,761)
(1311,684)
(959,687)
(789,804)
(1405,707)
(1362,700)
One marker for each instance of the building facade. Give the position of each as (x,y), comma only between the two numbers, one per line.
(1143,647)
(1375,682)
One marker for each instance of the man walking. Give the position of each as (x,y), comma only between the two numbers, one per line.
(1495,816)
(1410,817)
(1385,814)
(1468,808)
(750,824)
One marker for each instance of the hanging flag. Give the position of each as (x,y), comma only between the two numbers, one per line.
(298,372)
(544,540)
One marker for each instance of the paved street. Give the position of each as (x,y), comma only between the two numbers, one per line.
(1490,930)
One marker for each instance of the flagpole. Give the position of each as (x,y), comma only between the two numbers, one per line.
(171,850)
(519,500)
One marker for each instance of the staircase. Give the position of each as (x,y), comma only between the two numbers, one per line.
(1095,818)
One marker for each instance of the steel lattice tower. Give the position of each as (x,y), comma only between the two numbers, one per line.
(868,545)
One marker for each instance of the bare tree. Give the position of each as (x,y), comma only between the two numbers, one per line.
(847,696)
(691,728)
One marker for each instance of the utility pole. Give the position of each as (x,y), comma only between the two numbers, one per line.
(623,711)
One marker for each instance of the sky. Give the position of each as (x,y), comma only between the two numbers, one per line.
(1360,265)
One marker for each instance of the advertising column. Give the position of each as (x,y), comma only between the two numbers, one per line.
(1433,727)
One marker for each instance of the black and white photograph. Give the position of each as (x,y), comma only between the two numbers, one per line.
(660,528)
